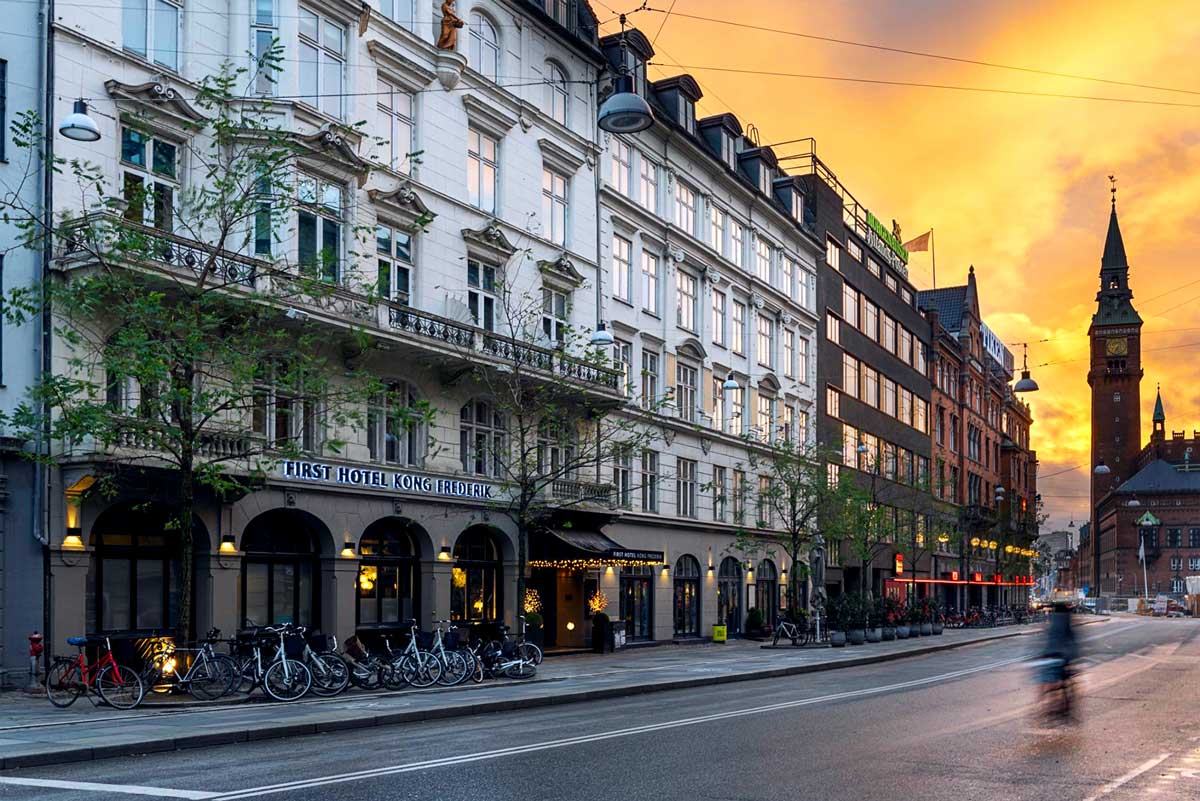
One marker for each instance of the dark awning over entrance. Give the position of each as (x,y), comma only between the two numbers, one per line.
(567,547)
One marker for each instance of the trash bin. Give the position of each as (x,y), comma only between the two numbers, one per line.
(719,633)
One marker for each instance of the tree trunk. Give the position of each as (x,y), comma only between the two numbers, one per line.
(522,556)
(187,555)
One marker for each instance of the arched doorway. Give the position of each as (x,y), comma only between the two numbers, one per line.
(687,596)
(729,594)
(389,572)
(133,576)
(281,568)
(766,591)
(476,582)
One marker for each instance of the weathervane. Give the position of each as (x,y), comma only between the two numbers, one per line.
(1112,179)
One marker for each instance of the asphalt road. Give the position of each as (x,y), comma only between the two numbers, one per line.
(947,726)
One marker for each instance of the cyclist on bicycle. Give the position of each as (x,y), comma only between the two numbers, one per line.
(1059,650)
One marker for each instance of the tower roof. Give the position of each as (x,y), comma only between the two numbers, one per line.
(1114,245)
(1160,416)
(1114,301)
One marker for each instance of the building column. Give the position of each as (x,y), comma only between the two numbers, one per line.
(69,589)
(435,591)
(339,577)
(225,586)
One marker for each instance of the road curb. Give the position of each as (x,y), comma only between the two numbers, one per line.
(363,721)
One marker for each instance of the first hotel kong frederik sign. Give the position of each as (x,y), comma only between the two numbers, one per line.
(343,476)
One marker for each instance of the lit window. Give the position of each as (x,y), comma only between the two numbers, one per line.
(833,254)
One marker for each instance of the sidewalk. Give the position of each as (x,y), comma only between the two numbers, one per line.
(32,732)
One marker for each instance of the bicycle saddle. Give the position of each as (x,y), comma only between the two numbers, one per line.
(77,641)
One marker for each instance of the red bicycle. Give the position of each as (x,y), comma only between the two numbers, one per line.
(117,685)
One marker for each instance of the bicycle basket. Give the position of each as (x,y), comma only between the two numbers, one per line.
(321,642)
(354,649)
(508,649)
(424,640)
(452,640)
(293,645)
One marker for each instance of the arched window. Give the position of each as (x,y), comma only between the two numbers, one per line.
(281,568)
(475,581)
(484,46)
(481,438)
(395,426)
(389,587)
(687,596)
(133,577)
(556,93)
(729,594)
(766,591)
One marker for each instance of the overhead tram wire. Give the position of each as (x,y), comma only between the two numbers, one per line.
(926,54)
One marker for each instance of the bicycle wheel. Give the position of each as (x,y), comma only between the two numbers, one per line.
(155,676)
(421,670)
(214,677)
(530,651)
(775,639)
(287,680)
(64,682)
(522,670)
(120,687)
(330,674)
(367,675)
(455,669)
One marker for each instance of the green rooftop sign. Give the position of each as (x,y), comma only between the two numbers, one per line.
(887,237)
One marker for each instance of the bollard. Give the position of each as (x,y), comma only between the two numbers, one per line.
(36,647)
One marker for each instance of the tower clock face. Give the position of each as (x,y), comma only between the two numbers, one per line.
(1118,346)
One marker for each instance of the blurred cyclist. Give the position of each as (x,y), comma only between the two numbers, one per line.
(1058,652)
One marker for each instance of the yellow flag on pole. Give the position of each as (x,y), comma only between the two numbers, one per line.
(920,243)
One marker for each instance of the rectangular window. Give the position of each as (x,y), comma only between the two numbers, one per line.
(1194,563)
(737,411)
(622,166)
(739,495)
(1194,538)
(392,436)
(737,328)
(870,320)
(150,28)
(718,318)
(849,375)
(787,273)
(789,352)
(737,244)
(482,169)
(685,301)
(649,378)
(873,266)
(554,315)
(554,206)
(648,185)
(850,305)
(622,268)
(804,292)
(870,394)
(395,108)
(649,481)
(718,403)
(833,328)
(481,294)
(854,250)
(685,207)
(685,487)
(717,220)
(322,55)
(833,400)
(719,488)
(623,362)
(765,513)
(263,32)
(762,259)
(888,389)
(788,428)
(623,477)
(802,360)
(833,254)
(395,264)
(764,416)
(150,179)
(649,281)
(685,391)
(906,343)
(319,227)
(766,341)
(889,334)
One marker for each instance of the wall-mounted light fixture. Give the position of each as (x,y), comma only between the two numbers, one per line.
(228,543)
(444,554)
(348,548)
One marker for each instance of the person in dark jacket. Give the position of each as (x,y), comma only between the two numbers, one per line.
(1059,651)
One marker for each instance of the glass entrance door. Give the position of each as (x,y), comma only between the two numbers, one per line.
(636,603)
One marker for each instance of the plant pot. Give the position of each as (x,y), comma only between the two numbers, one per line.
(837,639)
(875,634)
(926,629)
(889,633)
(856,636)
(937,629)
(902,632)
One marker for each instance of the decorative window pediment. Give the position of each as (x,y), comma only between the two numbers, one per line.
(489,243)
(398,68)
(558,157)
(691,348)
(489,117)
(769,383)
(154,99)
(1148,520)
(561,273)
(404,205)
(331,144)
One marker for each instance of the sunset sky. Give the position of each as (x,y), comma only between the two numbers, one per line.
(1015,185)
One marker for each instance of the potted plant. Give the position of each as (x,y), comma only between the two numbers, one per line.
(902,628)
(938,617)
(534,629)
(914,619)
(834,617)
(602,639)
(926,618)
(754,622)
(890,616)
(856,619)
(875,621)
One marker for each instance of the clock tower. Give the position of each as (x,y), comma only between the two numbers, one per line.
(1115,373)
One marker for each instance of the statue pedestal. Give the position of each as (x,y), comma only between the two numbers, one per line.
(449,67)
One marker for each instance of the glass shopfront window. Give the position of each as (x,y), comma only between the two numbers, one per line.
(687,597)
(637,601)
(281,568)
(766,591)
(475,581)
(389,573)
(729,594)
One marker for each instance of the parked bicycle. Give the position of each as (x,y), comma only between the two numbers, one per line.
(210,675)
(416,664)
(330,672)
(798,633)
(504,657)
(282,677)
(68,678)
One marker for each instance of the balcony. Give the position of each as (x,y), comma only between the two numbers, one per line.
(569,491)
(136,434)
(180,258)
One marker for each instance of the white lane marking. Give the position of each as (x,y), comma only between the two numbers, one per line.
(1128,777)
(94,787)
(340,778)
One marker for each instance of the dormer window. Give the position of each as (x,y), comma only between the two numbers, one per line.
(766,177)
(687,114)
(729,151)
(797,206)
